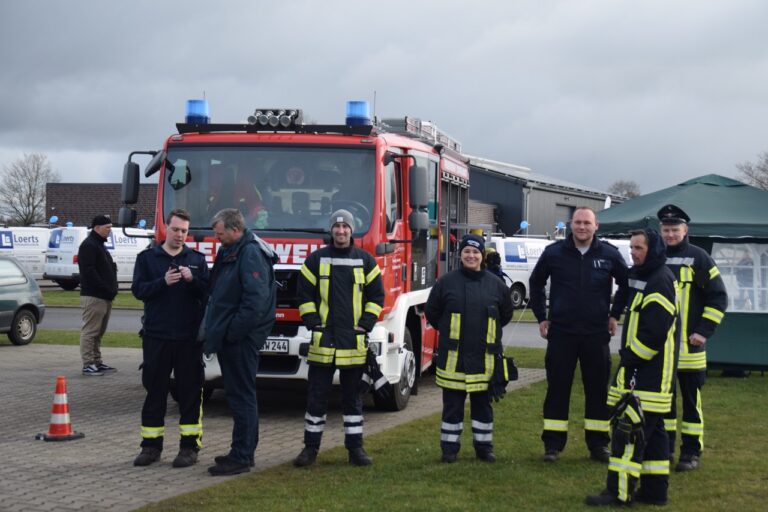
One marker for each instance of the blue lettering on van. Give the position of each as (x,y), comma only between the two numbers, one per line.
(30,240)
(55,239)
(514,252)
(6,240)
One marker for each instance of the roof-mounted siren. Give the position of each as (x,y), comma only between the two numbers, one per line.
(277,118)
(358,113)
(197,112)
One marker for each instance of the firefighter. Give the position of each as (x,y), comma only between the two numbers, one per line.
(340,299)
(172,280)
(642,388)
(469,307)
(578,327)
(702,307)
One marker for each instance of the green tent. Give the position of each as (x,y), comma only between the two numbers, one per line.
(718,207)
(731,218)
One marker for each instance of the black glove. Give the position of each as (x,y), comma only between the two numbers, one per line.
(375,379)
(497,387)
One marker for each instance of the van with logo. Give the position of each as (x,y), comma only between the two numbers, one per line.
(28,245)
(64,243)
(518,257)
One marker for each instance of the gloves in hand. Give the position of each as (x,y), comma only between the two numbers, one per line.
(497,387)
(374,379)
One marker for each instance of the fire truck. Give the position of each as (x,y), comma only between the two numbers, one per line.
(404,181)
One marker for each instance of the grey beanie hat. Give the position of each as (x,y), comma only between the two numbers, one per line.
(342,216)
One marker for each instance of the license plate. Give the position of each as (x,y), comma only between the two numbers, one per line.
(275,346)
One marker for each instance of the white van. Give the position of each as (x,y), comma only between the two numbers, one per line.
(63,244)
(28,245)
(518,257)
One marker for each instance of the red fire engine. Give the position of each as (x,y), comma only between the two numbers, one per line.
(404,181)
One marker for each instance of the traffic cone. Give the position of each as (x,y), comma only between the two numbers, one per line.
(60,428)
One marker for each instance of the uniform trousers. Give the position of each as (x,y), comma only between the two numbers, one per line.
(692,426)
(319,387)
(593,354)
(239,363)
(184,358)
(452,425)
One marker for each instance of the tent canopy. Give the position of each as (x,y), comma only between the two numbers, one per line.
(718,207)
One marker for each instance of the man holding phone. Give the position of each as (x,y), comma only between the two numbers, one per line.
(172,280)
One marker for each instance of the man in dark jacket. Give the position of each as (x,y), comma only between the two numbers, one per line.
(642,388)
(98,287)
(340,299)
(172,280)
(469,307)
(240,314)
(578,327)
(703,300)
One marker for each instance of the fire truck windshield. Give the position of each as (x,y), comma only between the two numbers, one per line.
(275,187)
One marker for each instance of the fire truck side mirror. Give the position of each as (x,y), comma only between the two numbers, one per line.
(130,190)
(126,217)
(418,221)
(417,184)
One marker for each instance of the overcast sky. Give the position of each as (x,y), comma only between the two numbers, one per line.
(589,91)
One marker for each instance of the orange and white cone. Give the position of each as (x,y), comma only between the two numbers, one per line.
(61,427)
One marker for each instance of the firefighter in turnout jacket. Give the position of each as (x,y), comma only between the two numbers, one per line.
(340,299)
(578,326)
(469,307)
(641,392)
(702,307)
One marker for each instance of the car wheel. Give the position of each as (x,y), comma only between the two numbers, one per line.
(401,390)
(518,296)
(23,328)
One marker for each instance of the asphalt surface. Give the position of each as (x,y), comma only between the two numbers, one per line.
(96,472)
(522,334)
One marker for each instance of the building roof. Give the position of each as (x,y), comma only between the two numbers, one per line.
(80,202)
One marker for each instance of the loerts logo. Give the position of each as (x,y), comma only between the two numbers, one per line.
(288,252)
(110,243)
(123,241)
(514,252)
(6,240)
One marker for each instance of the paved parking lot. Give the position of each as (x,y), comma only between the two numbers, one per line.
(97,472)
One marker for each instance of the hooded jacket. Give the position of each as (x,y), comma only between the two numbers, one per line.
(703,299)
(243,293)
(469,309)
(649,340)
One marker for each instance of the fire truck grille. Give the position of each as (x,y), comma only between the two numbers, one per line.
(287,287)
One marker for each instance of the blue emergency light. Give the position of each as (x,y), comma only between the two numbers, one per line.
(358,113)
(197,112)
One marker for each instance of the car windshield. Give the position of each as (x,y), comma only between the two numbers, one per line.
(275,187)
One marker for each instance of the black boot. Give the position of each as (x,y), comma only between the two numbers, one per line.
(606,498)
(147,456)
(307,457)
(186,457)
(221,458)
(358,457)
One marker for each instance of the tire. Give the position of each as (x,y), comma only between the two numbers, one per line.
(401,390)
(23,327)
(518,295)
(68,284)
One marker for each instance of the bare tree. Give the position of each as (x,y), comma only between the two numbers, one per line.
(22,189)
(627,188)
(755,174)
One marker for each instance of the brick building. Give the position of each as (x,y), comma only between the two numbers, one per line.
(79,203)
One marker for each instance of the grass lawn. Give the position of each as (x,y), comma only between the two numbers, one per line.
(63,298)
(407,474)
(111,339)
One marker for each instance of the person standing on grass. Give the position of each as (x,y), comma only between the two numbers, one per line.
(469,307)
(172,281)
(578,325)
(98,288)
(642,388)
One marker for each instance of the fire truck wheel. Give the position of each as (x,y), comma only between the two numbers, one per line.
(401,390)
(518,296)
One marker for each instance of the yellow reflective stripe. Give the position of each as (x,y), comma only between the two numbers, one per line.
(357,294)
(373,308)
(191,430)
(668,363)
(455,330)
(307,307)
(634,416)
(625,465)
(152,432)
(693,361)
(713,273)
(691,429)
(490,336)
(655,467)
(670,424)
(308,275)
(597,425)
(325,272)
(322,355)
(661,301)
(713,314)
(375,271)
(637,346)
(556,425)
